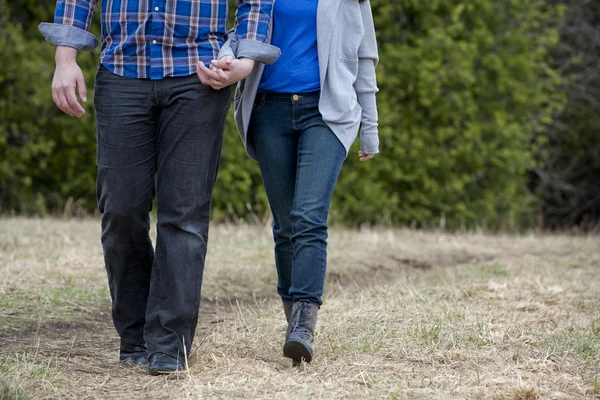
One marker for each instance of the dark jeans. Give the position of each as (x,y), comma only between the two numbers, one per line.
(160,137)
(300,160)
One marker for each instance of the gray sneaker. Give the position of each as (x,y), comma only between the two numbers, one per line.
(301,330)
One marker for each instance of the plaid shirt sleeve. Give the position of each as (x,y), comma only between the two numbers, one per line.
(252,19)
(72,20)
(77,13)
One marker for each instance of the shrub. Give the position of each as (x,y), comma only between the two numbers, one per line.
(46,157)
(464,87)
(464,84)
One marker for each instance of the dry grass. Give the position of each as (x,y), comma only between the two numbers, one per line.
(408,315)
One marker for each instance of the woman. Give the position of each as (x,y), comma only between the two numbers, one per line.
(298,118)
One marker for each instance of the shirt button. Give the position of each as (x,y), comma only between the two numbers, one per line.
(154,42)
(295,97)
(156,8)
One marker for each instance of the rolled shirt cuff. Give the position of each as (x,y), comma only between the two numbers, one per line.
(68,35)
(257,51)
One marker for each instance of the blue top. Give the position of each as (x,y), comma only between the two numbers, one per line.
(295,33)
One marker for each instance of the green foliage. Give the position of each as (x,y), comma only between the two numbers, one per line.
(464,85)
(45,157)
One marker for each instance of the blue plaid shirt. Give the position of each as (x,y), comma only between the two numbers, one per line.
(159,38)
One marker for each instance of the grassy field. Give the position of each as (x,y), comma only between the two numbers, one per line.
(408,315)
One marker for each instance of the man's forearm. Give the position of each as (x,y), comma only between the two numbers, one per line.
(65,55)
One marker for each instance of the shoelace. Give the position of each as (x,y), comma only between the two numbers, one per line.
(302,316)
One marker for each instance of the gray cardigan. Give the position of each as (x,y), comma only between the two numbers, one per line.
(347,59)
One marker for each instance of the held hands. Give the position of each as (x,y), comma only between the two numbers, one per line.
(68,77)
(224,72)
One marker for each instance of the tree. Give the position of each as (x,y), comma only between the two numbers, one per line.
(568,174)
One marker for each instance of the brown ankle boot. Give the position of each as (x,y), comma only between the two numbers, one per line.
(301,330)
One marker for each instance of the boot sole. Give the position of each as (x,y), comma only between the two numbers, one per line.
(297,351)
(166,372)
(133,363)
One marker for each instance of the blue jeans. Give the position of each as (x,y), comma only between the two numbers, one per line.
(300,160)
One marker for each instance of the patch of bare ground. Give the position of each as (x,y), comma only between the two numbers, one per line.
(408,315)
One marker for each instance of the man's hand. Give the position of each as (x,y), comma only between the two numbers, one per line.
(364,157)
(68,77)
(225,72)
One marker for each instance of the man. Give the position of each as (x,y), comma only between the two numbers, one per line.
(159,131)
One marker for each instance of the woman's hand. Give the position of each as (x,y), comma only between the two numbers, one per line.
(364,157)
